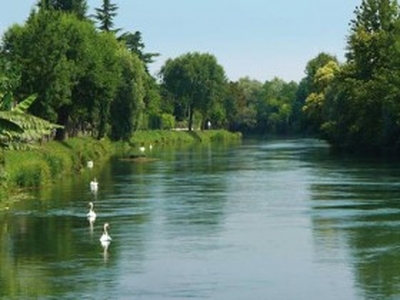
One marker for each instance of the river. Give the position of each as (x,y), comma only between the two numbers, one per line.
(272,219)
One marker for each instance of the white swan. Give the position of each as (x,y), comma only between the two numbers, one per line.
(105,237)
(94,185)
(91,214)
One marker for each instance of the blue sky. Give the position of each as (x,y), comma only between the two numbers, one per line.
(261,39)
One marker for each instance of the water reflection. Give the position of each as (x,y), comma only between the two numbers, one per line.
(91,220)
(253,221)
(355,217)
(105,245)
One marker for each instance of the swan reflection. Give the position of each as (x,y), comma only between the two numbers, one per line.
(105,240)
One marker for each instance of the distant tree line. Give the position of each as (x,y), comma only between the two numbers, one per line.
(92,78)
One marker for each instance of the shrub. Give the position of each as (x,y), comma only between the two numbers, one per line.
(33,174)
(167,121)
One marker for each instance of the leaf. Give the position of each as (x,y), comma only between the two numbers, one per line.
(25,104)
(7,125)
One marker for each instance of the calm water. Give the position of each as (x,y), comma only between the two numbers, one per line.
(260,220)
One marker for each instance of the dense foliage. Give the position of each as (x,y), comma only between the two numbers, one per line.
(357,104)
(92,81)
(196,83)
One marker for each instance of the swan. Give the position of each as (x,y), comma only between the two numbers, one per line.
(91,214)
(105,236)
(94,185)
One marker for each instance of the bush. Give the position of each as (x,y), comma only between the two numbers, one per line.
(59,163)
(40,166)
(33,174)
(167,121)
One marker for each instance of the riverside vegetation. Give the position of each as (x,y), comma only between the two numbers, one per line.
(48,163)
(92,77)
(66,75)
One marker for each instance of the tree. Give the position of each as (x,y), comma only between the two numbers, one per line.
(135,44)
(79,7)
(356,105)
(70,66)
(308,89)
(97,86)
(128,105)
(371,37)
(251,91)
(368,81)
(156,109)
(196,82)
(315,101)
(105,16)
(39,48)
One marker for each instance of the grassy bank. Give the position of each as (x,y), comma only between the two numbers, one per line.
(47,163)
(177,137)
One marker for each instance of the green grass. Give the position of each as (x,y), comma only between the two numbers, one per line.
(168,137)
(49,162)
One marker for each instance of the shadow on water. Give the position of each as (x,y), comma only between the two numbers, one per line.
(355,217)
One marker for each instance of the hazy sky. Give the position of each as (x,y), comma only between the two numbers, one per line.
(260,39)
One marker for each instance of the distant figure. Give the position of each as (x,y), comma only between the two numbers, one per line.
(150,146)
(90,164)
(142,148)
(94,185)
(208,125)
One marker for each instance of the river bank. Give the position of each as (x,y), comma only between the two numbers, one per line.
(47,163)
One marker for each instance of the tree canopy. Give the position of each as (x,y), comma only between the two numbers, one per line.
(91,81)
(196,82)
(105,16)
(78,7)
(357,103)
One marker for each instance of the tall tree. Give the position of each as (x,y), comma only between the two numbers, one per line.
(371,37)
(79,7)
(237,109)
(135,44)
(315,100)
(251,90)
(357,104)
(312,68)
(196,81)
(105,16)
(98,83)
(308,86)
(70,66)
(275,106)
(128,105)
(367,80)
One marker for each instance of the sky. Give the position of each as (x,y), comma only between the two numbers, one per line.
(259,39)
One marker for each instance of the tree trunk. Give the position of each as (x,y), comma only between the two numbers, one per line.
(190,119)
(63,117)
